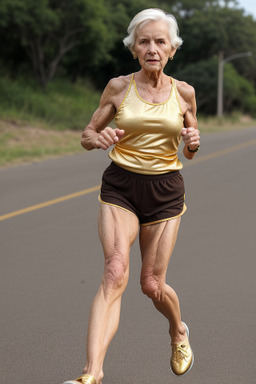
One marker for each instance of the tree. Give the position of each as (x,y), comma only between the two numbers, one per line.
(49,29)
(120,60)
(202,75)
(239,93)
(83,38)
(216,28)
(205,32)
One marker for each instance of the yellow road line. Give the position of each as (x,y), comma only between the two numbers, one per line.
(96,188)
(50,202)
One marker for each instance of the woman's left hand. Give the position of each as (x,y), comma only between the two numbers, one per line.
(191,137)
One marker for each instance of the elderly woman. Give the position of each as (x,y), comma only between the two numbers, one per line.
(142,189)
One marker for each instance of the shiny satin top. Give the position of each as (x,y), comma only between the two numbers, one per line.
(152,133)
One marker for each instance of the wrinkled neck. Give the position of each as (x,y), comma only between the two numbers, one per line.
(154,78)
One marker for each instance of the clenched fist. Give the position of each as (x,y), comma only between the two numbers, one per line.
(109,136)
(191,137)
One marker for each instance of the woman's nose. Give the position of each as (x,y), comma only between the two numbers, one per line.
(152,48)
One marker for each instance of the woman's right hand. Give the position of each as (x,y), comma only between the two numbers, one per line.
(108,136)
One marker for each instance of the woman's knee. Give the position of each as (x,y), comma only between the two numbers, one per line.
(152,288)
(116,271)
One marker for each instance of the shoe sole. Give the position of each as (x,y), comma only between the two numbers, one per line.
(187,330)
(70,382)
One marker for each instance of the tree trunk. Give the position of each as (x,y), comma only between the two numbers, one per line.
(45,73)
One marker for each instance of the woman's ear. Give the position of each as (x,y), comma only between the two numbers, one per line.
(133,53)
(173,51)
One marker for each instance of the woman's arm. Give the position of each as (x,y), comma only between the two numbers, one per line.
(190,134)
(97,134)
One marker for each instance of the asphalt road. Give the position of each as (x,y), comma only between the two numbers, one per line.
(51,265)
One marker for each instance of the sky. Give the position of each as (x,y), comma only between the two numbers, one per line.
(249,6)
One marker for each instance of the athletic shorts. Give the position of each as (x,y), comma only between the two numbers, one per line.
(152,198)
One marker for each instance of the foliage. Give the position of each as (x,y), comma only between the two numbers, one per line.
(239,92)
(206,32)
(83,38)
(202,75)
(62,106)
(49,29)
(219,29)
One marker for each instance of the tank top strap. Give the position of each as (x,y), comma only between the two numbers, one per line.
(126,94)
(175,93)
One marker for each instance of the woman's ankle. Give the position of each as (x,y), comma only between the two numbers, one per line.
(178,333)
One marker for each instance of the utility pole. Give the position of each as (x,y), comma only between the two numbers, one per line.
(220,85)
(221,64)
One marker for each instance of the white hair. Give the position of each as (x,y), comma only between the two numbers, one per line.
(153,14)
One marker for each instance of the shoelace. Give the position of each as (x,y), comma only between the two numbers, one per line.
(180,353)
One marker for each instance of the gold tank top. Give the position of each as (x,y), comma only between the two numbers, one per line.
(152,133)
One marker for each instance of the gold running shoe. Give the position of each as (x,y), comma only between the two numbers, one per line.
(84,379)
(182,356)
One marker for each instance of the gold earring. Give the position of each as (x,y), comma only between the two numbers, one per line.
(171,58)
(135,56)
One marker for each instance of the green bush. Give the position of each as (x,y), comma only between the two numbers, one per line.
(238,92)
(62,106)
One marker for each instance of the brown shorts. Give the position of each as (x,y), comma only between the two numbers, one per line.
(152,198)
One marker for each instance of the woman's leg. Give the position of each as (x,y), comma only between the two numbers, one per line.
(157,243)
(117,230)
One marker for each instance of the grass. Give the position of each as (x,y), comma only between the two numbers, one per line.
(22,143)
(36,125)
(62,106)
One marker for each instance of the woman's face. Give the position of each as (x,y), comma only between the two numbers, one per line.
(153,46)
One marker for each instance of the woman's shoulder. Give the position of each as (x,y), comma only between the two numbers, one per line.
(185,90)
(118,84)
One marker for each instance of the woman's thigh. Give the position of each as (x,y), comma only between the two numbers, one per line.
(118,229)
(157,243)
